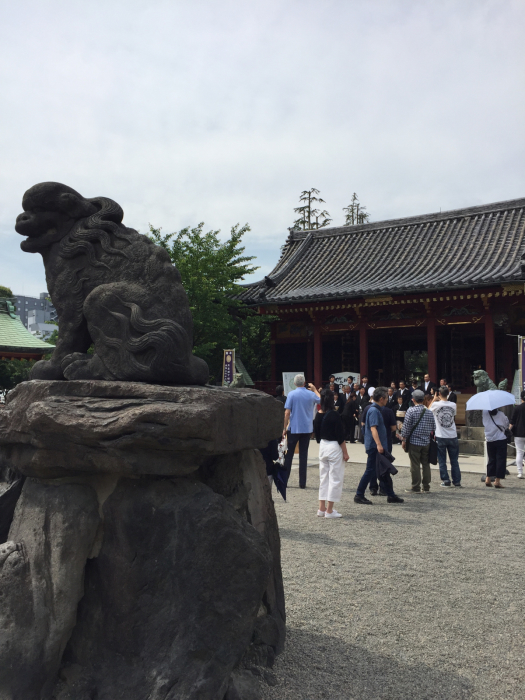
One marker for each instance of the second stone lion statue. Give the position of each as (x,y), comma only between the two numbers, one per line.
(111,287)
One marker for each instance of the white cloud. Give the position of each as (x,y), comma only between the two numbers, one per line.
(223,112)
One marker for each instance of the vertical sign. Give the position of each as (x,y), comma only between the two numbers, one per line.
(522,361)
(228,367)
(288,384)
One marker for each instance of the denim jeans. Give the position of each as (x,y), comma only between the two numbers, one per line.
(370,472)
(452,446)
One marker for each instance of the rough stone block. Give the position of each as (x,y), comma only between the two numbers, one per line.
(54,428)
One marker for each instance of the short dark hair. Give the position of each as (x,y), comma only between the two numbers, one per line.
(279,390)
(443,390)
(380,393)
(402,381)
(327,400)
(331,376)
(350,377)
(414,382)
(364,376)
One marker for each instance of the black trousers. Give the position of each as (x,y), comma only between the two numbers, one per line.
(304,441)
(497,454)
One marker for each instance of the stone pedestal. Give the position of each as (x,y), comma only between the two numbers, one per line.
(143,559)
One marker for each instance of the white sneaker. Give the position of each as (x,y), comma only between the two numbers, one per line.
(321,513)
(333,514)
(520,476)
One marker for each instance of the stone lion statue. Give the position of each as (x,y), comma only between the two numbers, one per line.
(484,382)
(111,287)
(238,381)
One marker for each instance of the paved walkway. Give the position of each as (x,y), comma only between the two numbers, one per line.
(419,601)
(357,454)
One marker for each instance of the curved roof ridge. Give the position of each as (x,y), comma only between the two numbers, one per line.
(417,219)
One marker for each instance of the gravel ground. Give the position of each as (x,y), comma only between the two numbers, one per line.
(419,600)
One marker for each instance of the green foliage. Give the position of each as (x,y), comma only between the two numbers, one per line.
(355,212)
(12,372)
(5,291)
(211,271)
(309,217)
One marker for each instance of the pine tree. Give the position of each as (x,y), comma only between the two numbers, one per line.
(309,217)
(355,212)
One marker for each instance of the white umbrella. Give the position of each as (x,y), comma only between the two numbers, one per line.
(489,400)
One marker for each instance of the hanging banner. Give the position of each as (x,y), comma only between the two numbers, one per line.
(288,384)
(228,367)
(342,377)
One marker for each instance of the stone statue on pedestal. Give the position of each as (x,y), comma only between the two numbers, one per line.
(141,557)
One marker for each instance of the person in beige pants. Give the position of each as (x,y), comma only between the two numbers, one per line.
(419,423)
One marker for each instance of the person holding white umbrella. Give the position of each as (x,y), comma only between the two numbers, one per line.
(496,424)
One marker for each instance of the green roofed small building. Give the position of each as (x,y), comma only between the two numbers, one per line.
(16,342)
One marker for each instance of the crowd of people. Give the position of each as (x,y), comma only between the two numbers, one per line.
(420,417)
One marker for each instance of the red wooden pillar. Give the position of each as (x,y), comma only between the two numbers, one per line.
(510,348)
(363,350)
(309,360)
(431,349)
(318,356)
(490,353)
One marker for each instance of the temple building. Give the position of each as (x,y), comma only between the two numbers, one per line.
(444,292)
(16,342)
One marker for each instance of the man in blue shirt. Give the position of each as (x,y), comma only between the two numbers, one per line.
(375,441)
(299,424)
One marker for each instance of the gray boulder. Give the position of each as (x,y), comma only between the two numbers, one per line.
(41,583)
(172,598)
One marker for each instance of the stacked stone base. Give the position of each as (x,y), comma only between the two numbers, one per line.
(121,582)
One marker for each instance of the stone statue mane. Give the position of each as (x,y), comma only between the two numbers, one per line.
(112,287)
(484,383)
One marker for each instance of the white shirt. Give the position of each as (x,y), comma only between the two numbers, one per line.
(444,415)
(426,385)
(493,432)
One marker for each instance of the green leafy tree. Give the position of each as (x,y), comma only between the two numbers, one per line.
(12,372)
(355,212)
(211,271)
(309,217)
(5,292)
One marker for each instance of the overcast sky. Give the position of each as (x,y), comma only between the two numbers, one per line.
(223,112)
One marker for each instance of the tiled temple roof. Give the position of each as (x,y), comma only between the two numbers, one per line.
(474,247)
(14,336)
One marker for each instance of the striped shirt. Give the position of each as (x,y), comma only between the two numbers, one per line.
(421,435)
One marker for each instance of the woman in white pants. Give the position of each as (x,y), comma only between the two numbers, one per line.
(330,434)
(517,425)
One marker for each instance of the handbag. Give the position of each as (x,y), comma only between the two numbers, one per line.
(508,434)
(433,451)
(406,446)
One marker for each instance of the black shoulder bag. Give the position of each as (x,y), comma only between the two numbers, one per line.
(506,431)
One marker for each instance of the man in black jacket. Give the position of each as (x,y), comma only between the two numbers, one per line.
(392,400)
(452,396)
(427,385)
(405,394)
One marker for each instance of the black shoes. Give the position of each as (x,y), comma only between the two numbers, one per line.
(373,492)
(394,499)
(362,499)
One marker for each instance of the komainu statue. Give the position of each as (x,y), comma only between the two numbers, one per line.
(485,383)
(111,287)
